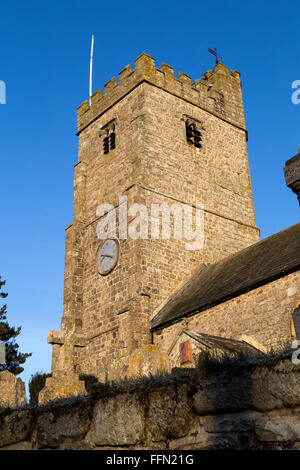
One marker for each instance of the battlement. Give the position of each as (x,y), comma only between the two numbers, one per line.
(219,91)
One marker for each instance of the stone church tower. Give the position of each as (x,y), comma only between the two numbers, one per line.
(149,139)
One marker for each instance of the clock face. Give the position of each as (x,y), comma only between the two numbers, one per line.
(107,256)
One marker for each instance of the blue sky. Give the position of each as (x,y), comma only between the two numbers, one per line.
(44,52)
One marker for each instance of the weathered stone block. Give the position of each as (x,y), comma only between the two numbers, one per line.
(54,427)
(276,388)
(118,421)
(278,428)
(168,415)
(260,389)
(24,445)
(238,422)
(218,396)
(15,427)
(199,439)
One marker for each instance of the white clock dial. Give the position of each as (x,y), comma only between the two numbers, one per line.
(108,256)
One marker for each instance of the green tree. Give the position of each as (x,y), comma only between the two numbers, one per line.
(36,384)
(8,335)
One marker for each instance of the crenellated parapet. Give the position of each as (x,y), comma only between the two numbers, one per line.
(219,91)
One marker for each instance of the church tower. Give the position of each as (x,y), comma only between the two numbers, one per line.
(150,143)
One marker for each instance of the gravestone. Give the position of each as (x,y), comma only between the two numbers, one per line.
(148,361)
(12,391)
(64,381)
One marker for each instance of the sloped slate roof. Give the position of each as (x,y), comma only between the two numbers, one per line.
(225,344)
(241,272)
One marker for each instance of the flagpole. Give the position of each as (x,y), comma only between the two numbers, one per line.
(91,69)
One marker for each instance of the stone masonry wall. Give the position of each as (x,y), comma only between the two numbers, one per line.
(254,407)
(109,316)
(263,315)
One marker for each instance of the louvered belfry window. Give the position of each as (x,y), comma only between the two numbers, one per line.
(112,140)
(193,134)
(106,145)
(108,134)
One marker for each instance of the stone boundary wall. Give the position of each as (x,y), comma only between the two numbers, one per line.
(251,407)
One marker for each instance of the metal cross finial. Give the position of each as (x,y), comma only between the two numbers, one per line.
(214,52)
